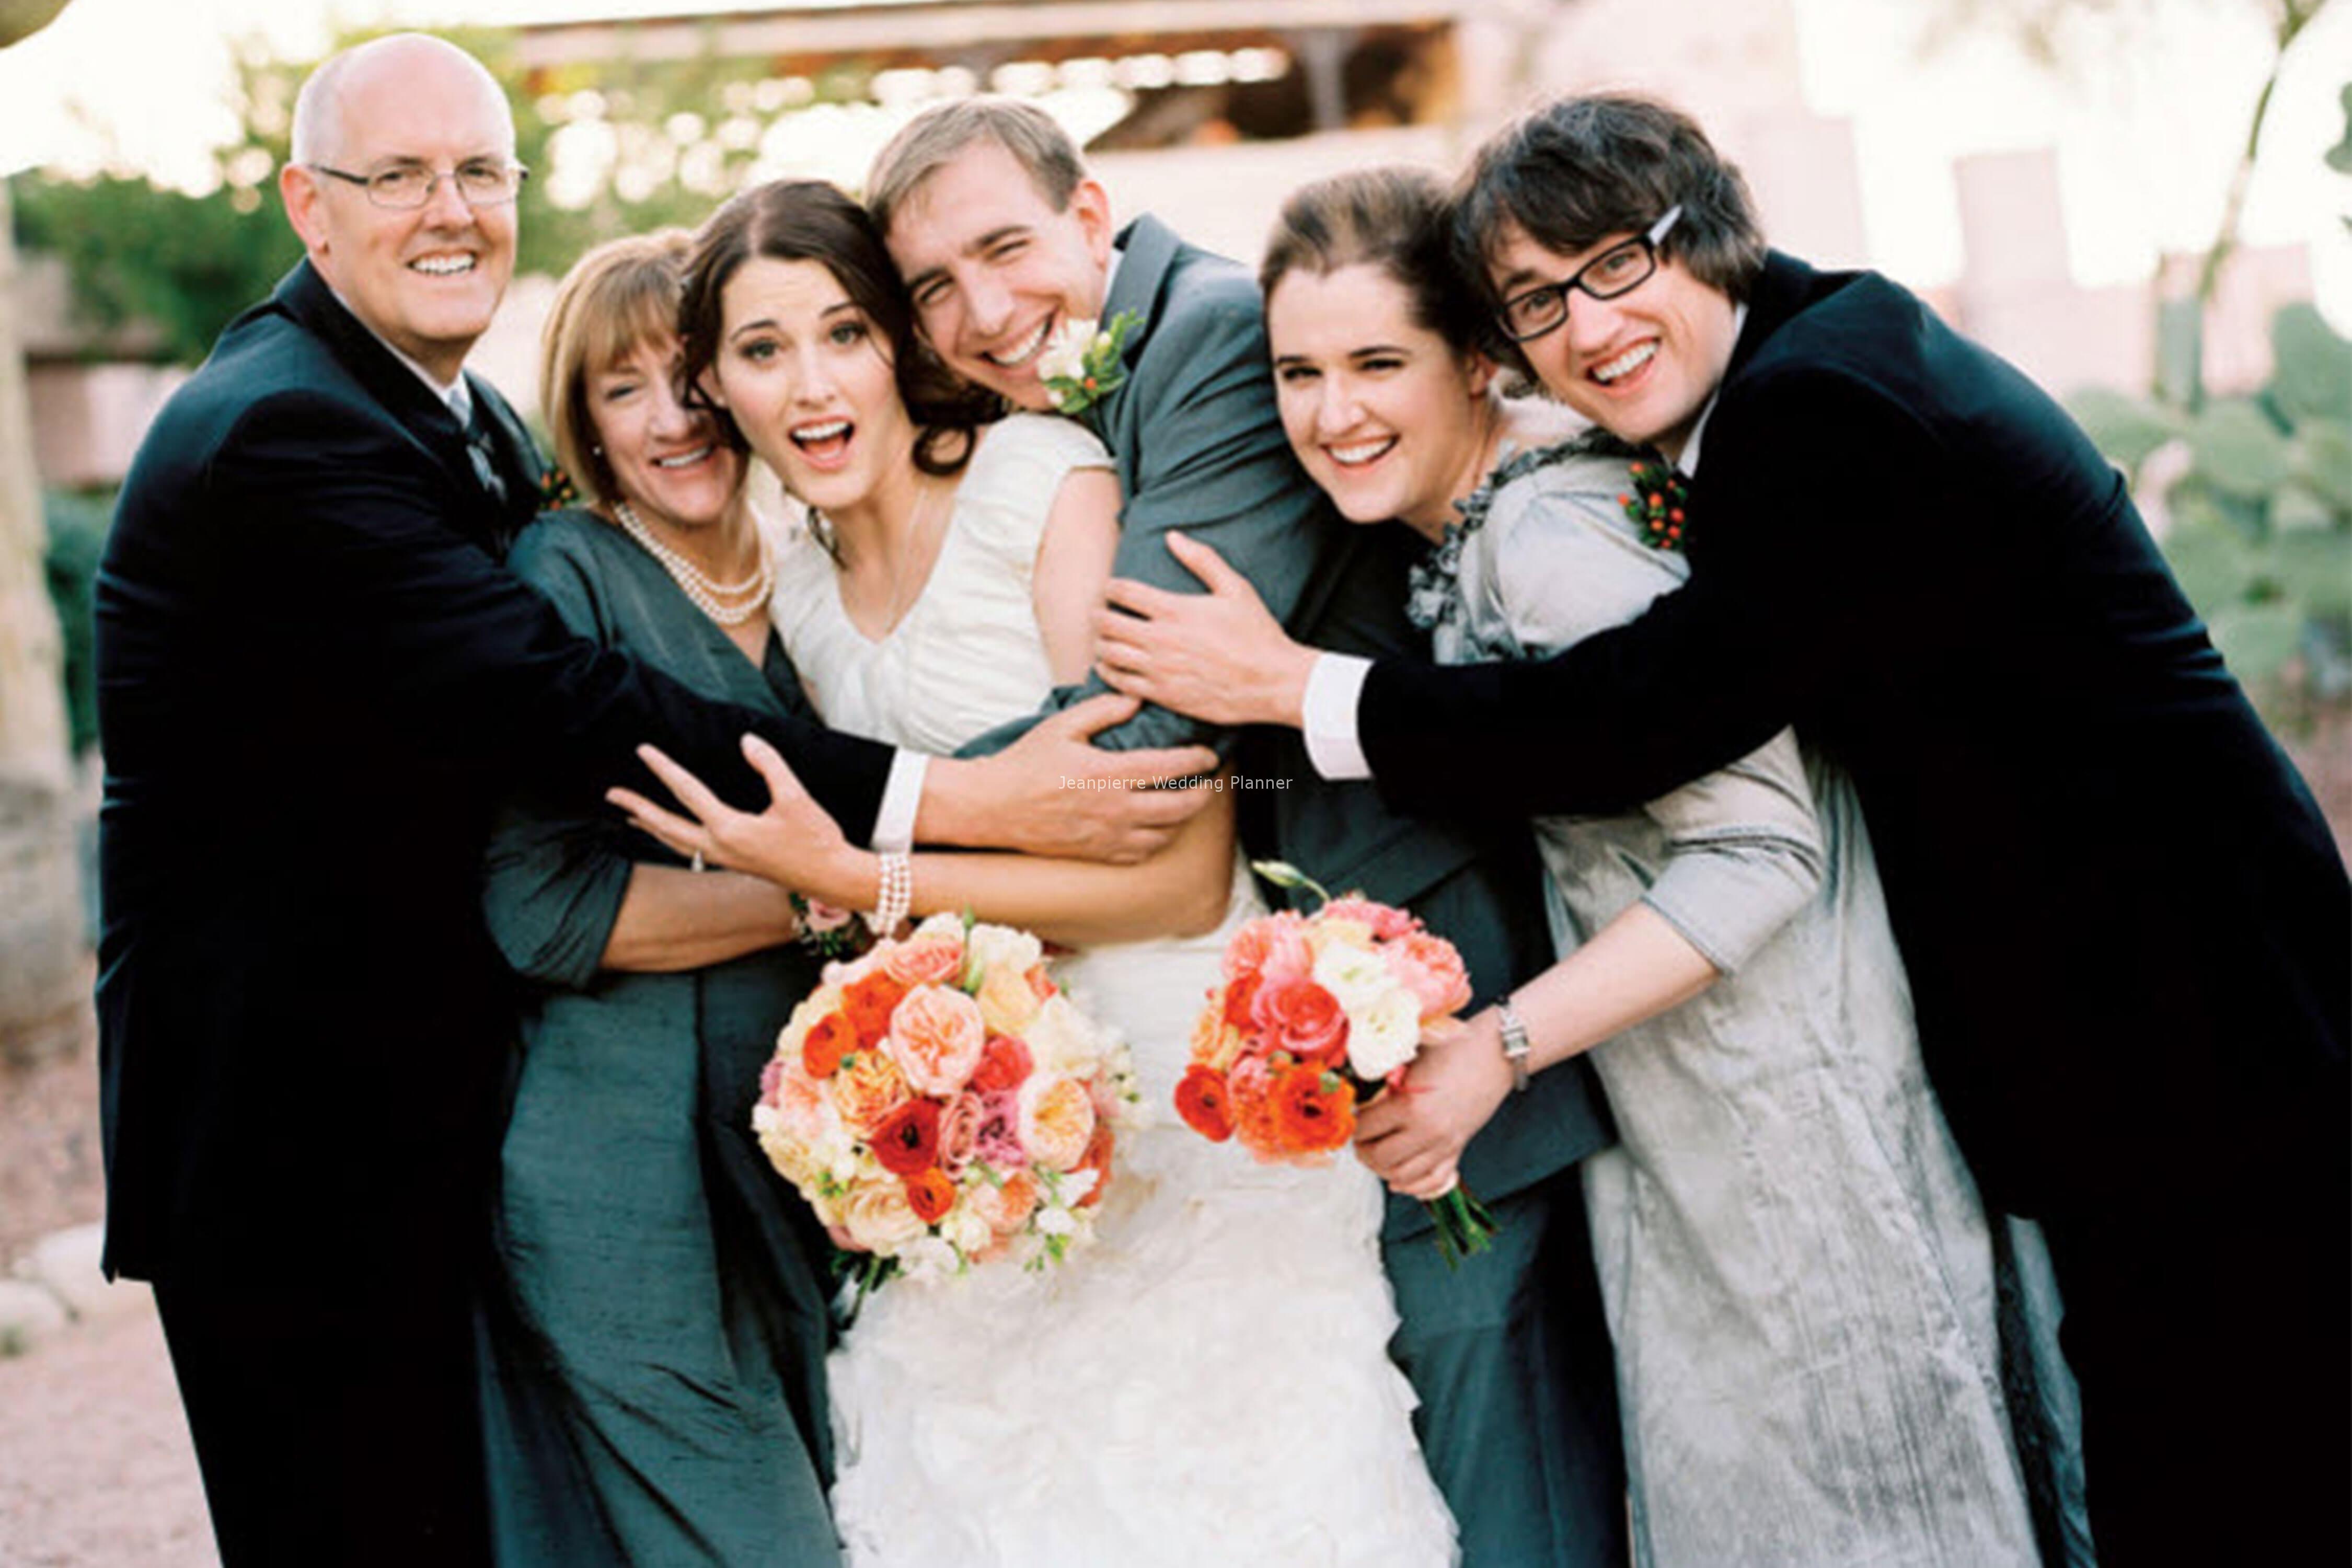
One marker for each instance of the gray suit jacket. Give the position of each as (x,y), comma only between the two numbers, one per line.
(1199,446)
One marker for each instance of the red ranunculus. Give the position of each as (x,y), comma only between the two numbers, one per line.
(1240,997)
(908,1138)
(1205,1103)
(868,1002)
(929,1193)
(825,1043)
(1314,1111)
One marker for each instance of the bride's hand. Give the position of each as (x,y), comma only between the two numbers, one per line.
(794,842)
(1219,656)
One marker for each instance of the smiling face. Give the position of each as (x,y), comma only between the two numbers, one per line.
(994,270)
(1642,365)
(426,280)
(1386,415)
(809,382)
(666,460)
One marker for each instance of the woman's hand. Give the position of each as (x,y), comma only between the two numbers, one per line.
(1412,1136)
(1219,656)
(793,843)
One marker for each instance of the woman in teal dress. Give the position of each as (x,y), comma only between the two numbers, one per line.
(654,1364)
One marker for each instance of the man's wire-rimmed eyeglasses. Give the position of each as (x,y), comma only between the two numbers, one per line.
(1617,270)
(403,187)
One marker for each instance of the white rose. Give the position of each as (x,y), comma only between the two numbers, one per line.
(929,1258)
(1062,1041)
(1356,977)
(878,1218)
(967,1232)
(943,925)
(1383,1035)
(988,946)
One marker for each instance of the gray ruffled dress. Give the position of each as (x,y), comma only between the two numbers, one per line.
(1796,1268)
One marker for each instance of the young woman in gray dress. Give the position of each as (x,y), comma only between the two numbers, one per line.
(1797,1271)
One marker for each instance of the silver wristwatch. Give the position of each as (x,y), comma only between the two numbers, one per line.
(1514,1044)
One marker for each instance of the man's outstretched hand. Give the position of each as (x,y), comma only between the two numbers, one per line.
(1054,791)
(1220,657)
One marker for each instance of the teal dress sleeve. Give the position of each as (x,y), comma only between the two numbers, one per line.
(655,1338)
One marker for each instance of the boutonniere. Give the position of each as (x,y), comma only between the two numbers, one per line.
(1656,505)
(1080,366)
(556,490)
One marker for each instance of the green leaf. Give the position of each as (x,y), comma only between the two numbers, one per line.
(2314,375)
(2258,639)
(2125,428)
(2298,508)
(2322,458)
(2215,569)
(2314,567)
(2238,449)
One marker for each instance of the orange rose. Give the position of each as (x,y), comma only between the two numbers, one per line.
(868,1002)
(930,1195)
(1430,968)
(1250,1085)
(1272,946)
(1205,1103)
(1314,1111)
(830,1039)
(1057,1122)
(937,1038)
(1100,1149)
(868,1087)
(1005,1065)
(1008,1001)
(1006,1207)
(925,961)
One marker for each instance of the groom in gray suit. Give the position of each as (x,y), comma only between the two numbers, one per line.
(1002,237)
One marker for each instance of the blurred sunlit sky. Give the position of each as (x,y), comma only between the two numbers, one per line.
(2146,119)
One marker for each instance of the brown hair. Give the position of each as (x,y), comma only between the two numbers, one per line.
(621,294)
(1393,218)
(1035,139)
(1574,171)
(810,220)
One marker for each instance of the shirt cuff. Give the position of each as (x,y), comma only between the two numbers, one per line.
(1329,715)
(902,799)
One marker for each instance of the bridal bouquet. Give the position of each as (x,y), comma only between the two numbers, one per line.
(942,1104)
(1316,1013)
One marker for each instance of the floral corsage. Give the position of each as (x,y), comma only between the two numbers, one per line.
(1080,366)
(1657,504)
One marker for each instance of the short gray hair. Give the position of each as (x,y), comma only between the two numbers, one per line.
(927,142)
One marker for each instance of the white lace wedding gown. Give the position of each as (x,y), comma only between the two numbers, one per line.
(1206,1384)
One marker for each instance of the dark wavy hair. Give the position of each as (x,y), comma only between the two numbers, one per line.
(1575,171)
(1395,218)
(810,220)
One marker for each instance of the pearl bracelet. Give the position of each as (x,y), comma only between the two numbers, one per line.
(897,893)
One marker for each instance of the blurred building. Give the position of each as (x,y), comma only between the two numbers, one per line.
(1209,112)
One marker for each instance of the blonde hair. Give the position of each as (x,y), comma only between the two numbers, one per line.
(616,297)
(925,143)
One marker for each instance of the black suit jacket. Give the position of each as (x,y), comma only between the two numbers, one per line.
(2128,932)
(315,677)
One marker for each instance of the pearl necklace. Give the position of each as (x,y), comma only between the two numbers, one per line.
(705,591)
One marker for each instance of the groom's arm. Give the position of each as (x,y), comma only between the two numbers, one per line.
(1806,538)
(1213,461)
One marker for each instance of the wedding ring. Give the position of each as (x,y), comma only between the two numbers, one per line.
(696,864)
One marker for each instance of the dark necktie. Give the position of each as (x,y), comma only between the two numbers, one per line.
(484,451)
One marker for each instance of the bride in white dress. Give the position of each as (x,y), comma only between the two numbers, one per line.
(1208,1382)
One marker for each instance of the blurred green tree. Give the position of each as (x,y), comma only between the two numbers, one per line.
(614,147)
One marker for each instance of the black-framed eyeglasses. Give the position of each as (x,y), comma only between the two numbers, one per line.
(1617,270)
(403,187)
